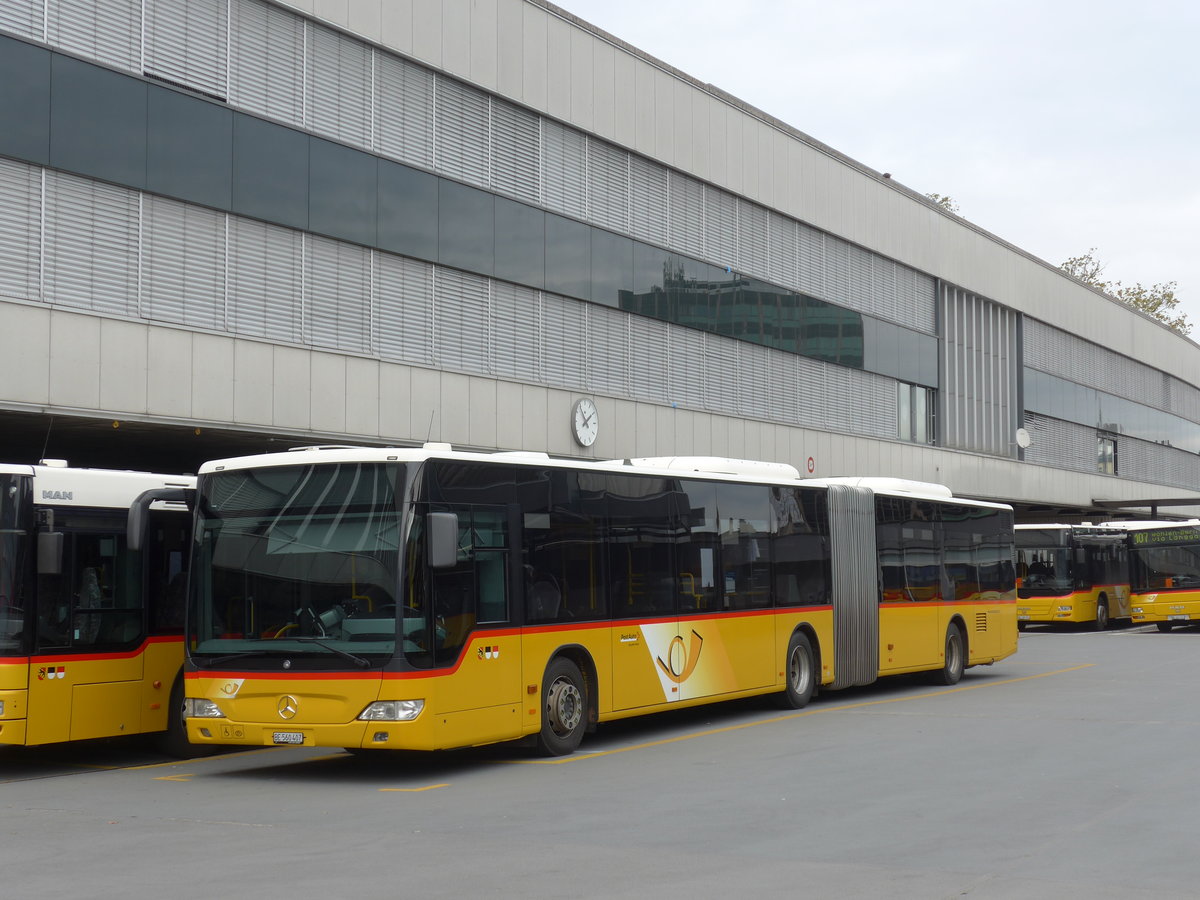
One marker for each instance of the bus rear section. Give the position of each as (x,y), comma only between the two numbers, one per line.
(91,630)
(430,599)
(1072,574)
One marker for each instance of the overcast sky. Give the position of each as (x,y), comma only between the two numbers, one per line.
(1058,125)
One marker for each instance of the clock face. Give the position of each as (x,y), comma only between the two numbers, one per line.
(585,422)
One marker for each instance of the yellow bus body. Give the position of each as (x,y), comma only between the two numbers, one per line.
(69,697)
(493,692)
(1178,606)
(1076,607)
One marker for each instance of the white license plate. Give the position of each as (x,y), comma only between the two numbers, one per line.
(288,737)
(1022,618)
(1177,618)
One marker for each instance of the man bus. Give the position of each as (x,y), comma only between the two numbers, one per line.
(1072,574)
(91,631)
(431,599)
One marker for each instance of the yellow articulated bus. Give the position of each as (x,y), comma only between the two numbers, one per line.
(1075,574)
(431,599)
(91,631)
(1164,572)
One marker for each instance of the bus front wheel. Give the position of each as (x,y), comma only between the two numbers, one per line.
(1164,626)
(564,708)
(955,658)
(800,672)
(1101,614)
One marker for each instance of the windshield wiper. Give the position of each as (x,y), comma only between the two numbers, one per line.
(242,654)
(357,660)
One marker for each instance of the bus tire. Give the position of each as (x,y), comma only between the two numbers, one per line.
(174,741)
(954,660)
(1164,627)
(800,675)
(1101,622)
(564,708)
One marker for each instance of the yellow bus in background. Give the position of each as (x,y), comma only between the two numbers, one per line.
(431,599)
(1073,574)
(91,631)
(1164,572)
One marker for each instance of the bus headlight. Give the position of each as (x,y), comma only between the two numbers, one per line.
(201,709)
(392,711)
(1064,609)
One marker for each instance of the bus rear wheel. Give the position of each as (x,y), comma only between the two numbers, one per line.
(800,674)
(564,708)
(1164,626)
(1101,614)
(955,658)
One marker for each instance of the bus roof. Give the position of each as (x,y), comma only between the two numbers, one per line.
(675,466)
(58,485)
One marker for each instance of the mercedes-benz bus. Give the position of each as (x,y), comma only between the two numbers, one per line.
(426,598)
(91,630)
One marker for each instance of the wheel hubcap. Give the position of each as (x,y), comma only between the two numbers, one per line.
(798,671)
(564,706)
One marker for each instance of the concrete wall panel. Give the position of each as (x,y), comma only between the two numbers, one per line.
(328,394)
(25,353)
(74,360)
(484,34)
(123,366)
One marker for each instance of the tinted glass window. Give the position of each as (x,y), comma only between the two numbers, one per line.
(342,189)
(699,548)
(801,547)
(466,236)
(568,257)
(98,122)
(270,172)
(25,101)
(408,211)
(745,525)
(648,296)
(188,148)
(520,243)
(612,266)
(642,531)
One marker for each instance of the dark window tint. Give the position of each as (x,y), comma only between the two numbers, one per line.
(342,191)
(908,539)
(466,238)
(568,257)
(612,267)
(270,172)
(189,148)
(408,211)
(24,101)
(520,243)
(563,561)
(97,122)
(801,546)
(698,551)
(642,531)
(745,523)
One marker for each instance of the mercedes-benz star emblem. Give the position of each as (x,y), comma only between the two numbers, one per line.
(287,706)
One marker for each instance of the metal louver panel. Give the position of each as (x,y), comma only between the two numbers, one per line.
(685,384)
(463,141)
(753,238)
(811,244)
(23,17)
(608,186)
(649,198)
(838,396)
(404,309)
(266,281)
(783,263)
(883,281)
(339,86)
(649,359)
(1063,445)
(267,61)
(564,165)
(854,585)
(109,31)
(91,245)
(837,270)
(608,361)
(875,405)
(461,308)
(338,295)
(755,387)
(403,110)
(516,139)
(783,374)
(916,293)
(183,264)
(720,227)
(686,204)
(860,283)
(565,341)
(20,230)
(722,371)
(187,43)
(516,325)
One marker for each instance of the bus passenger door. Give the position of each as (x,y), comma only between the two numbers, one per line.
(645,628)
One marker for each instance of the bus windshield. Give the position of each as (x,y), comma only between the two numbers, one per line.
(296,562)
(1044,570)
(16,521)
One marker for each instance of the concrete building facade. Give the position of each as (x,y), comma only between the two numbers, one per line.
(389,221)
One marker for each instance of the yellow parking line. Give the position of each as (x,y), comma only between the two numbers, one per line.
(796,715)
(430,787)
(197,759)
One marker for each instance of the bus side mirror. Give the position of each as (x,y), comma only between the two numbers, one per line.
(442,531)
(49,552)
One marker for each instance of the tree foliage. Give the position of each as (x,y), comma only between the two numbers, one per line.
(1158,300)
(946,203)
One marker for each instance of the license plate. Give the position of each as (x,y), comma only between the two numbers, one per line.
(1177,618)
(1023,618)
(288,737)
